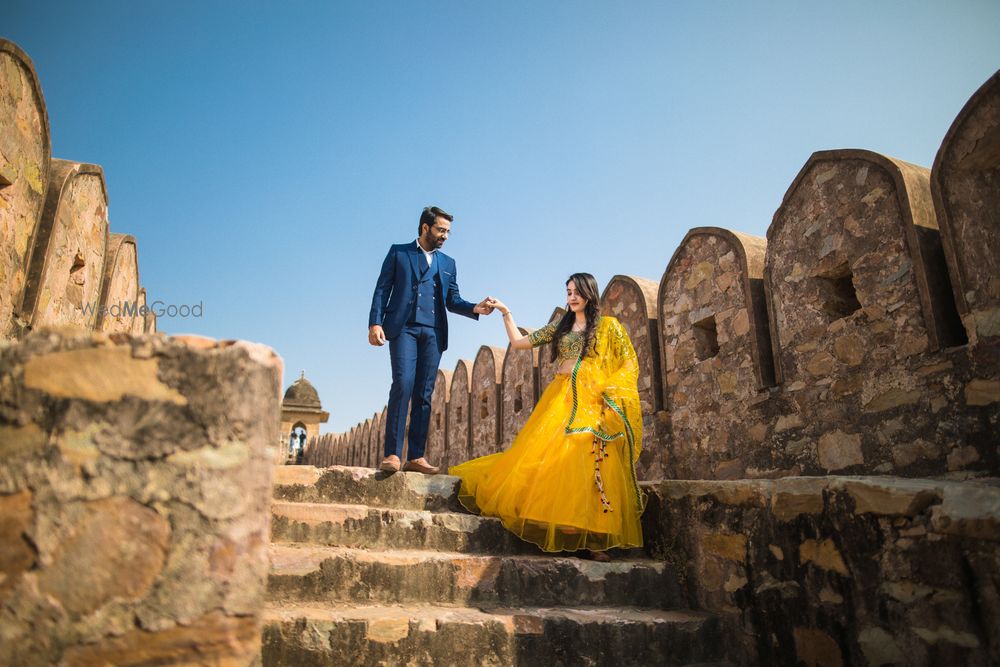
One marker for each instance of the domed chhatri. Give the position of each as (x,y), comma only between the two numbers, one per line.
(302,395)
(301,415)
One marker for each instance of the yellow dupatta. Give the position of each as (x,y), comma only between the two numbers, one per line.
(606,396)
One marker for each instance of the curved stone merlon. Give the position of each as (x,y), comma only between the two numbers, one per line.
(120,292)
(872,570)
(66,271)
(632,301)
(518,391)
(459,404)
(965,184)
(716,348)
(25,155)
(134,485)
(484,387)
(844,262)
(437,431)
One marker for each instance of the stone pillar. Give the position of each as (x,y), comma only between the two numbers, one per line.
(66,272)
(458,413)
(437,431)
(519,390)
(484,423)
(716,352)
(632,300)
(139,324)
(135,484)
(121,284)
(546,366)
(966,190)
(366,445)
(851,315)
(25,152)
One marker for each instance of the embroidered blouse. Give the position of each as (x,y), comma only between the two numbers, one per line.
(570,345)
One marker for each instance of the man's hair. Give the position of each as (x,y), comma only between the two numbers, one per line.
(429,215)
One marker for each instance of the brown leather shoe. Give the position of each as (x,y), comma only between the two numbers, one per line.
(421,465)
(389,464)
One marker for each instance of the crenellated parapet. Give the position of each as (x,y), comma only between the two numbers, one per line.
(25,158)
(716,351)
(59,263)
(965,184)
(518,390)
(857,338)
(484,389)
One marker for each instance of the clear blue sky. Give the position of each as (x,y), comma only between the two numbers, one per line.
(265,155)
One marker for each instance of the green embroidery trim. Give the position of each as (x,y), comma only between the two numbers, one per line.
(629,435)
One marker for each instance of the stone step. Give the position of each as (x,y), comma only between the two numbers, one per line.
(325,636)
(307,573)
(381,528)
(365,486)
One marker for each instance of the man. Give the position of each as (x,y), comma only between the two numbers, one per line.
(417,283)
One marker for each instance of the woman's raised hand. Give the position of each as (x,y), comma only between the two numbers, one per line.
(499,305)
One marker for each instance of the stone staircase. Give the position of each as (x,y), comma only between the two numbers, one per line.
(368,569)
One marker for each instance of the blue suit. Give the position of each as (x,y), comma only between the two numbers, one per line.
(409,303)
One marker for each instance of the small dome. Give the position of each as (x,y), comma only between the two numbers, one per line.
(301,395)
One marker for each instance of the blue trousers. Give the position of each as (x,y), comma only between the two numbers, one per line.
(415,356)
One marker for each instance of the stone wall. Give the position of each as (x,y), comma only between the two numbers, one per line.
(965,185)
(56,254)
(518,390)
(134,489)
(838,570)
(833,346)
(459,406)
(484,387)
(437,432)
(25,154)
(64,283)
(716,350)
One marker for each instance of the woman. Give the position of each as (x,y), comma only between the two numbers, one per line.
(568,480)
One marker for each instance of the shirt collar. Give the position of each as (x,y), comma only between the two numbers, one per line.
(421,248)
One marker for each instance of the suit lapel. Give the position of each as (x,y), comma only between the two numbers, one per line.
(417,261)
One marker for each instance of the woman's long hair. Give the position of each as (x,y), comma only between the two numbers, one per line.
(586,287)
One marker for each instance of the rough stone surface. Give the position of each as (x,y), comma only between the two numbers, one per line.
(715,351)
(134,518)
(485,384)
(25,152)
(870,571)
(459,405)
(965,183)
(436,586)
(518,392)
(67,268)
(437,432)
(121,285)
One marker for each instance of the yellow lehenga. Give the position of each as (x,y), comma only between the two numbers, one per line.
(568,480)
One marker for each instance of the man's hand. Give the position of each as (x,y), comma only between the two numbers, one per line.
(376,336)
(484,307)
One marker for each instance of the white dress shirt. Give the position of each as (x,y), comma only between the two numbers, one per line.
(427,253)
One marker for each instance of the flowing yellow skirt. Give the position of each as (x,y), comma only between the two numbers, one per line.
(544,487)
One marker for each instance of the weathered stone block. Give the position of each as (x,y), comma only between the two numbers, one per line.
(135,528)
(120,291)
(66,274)
(459,405)
(25,155)
(519,391)
(484,387)
(966,190)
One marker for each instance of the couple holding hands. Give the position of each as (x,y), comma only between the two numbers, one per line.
(568,480)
